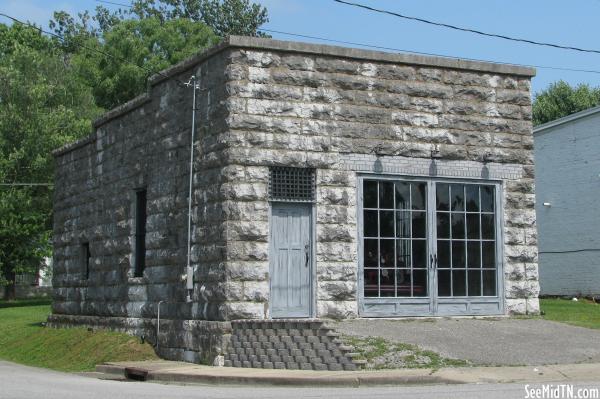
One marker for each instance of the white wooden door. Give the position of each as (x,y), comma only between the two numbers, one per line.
(290,260)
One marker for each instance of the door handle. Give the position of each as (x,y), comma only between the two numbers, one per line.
(306,255)
(433,261)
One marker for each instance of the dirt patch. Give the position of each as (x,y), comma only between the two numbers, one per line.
(382,354)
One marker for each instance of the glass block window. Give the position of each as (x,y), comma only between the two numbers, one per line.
(291,184)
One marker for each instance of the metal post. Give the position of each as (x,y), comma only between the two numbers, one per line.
(190,272)
(158,324)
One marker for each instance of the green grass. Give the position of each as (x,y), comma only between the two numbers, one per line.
(382,354)
(583,313)
(23,339)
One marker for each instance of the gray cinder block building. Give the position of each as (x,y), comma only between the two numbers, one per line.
(567,179)
(328,183)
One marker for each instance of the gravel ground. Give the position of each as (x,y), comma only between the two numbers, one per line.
(384,354)
(505,341)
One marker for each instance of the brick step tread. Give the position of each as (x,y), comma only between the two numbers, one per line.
(297,359)
(284,338)
(287,333)
(291,366)
(290,352)
(290,345)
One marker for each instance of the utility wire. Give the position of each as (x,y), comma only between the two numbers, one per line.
(392,48)
(62,39)
(113,3)
(423,53)
(310,37)
(571,251)
(478,32)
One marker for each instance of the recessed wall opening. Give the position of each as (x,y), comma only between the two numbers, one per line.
(140,233)
(85,260)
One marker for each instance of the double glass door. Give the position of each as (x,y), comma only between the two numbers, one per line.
(429,247)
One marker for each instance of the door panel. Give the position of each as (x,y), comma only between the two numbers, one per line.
(290,260)
(445,259)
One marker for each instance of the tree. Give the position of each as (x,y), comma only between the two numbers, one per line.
(51,89)
(224,17)
(560,99)
(152,34)
(43,105)
(118,65)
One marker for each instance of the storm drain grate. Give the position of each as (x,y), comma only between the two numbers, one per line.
(135,374)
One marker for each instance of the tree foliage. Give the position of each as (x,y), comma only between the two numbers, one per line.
(560,99)
(43,105)
(118,64)
(224,17)
(152,34)
(51,89)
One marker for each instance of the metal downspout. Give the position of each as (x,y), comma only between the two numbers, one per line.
(189,268)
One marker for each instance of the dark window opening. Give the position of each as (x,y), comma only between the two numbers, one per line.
(86,255)
(292,184)
(140,233)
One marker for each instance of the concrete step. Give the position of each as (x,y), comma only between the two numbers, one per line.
(291,344)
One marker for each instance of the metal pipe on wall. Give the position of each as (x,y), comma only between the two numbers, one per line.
(189,269)
(158,323)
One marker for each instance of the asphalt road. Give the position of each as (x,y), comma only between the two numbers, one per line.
(504,341)
(18,382)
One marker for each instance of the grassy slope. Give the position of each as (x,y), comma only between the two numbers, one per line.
(24,340)
(583,313)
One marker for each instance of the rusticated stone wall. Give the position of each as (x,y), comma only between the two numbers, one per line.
(263,103)
(144,144)
(343,115)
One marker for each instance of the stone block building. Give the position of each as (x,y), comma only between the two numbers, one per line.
(328,183)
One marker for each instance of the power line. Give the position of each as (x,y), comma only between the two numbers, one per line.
(424,53)
(391,48)
(478,32)
(113,3)
(309,37)
(571,251)
(62,39)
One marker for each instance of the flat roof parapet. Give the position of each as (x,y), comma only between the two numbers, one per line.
(379,56)
(259,43)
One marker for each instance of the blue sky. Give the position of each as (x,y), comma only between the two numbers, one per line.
(573,23)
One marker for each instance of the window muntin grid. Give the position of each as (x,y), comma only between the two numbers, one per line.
(291,184)
(465,223)
(395,238)
(466,239)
